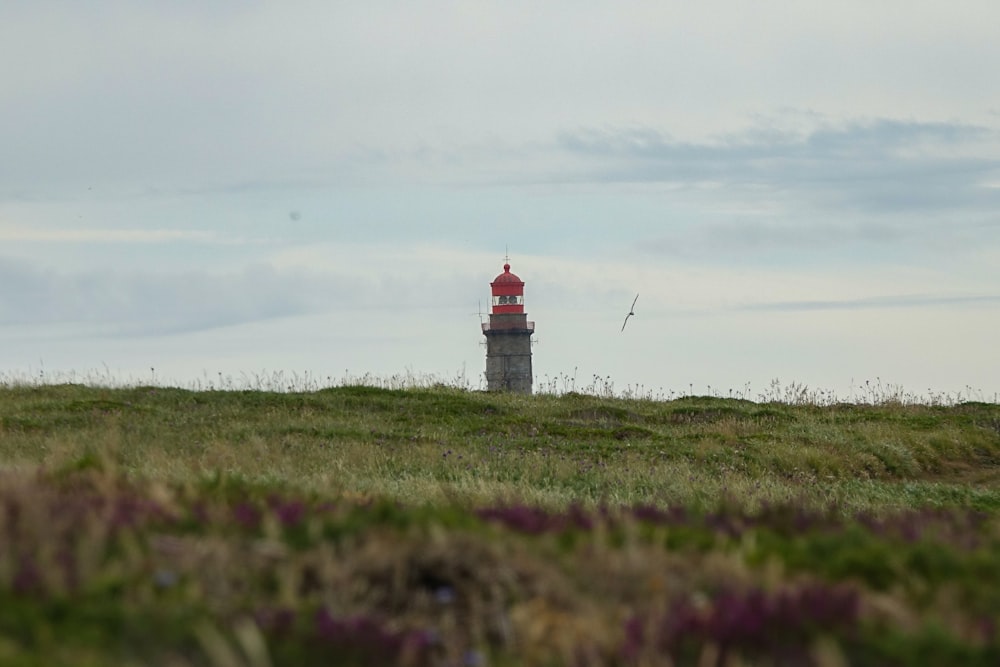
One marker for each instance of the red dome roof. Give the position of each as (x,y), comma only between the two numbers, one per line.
(506,276)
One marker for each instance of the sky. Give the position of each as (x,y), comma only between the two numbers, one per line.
(800,192)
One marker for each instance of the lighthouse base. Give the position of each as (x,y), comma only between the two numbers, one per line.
(508,360)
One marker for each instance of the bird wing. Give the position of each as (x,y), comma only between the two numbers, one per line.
(630,313)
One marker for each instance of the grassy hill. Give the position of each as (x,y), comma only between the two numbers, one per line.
(439,526)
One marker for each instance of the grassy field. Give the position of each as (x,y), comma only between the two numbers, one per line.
(439,526)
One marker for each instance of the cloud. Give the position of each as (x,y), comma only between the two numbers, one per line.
(848,242)
(347,282)
(881,165)
(142,303)
(877,302)
(25,235)
(200,95)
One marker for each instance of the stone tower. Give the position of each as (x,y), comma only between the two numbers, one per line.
(508,337)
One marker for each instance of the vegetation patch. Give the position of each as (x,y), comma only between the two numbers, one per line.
(438,527)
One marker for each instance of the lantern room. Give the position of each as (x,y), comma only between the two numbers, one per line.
(508,293)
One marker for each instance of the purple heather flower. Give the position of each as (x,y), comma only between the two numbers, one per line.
(247,515)
(290,513)
(275,621)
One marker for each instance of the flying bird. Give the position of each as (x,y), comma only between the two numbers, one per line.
(631,312)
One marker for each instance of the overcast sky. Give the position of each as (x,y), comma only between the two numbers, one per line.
(806,191)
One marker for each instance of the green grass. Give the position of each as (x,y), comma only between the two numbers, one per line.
(428,445)
(437,525)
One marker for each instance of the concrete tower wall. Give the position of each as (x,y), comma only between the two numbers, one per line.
(508,360)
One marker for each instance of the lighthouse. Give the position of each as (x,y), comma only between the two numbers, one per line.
(508,337)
